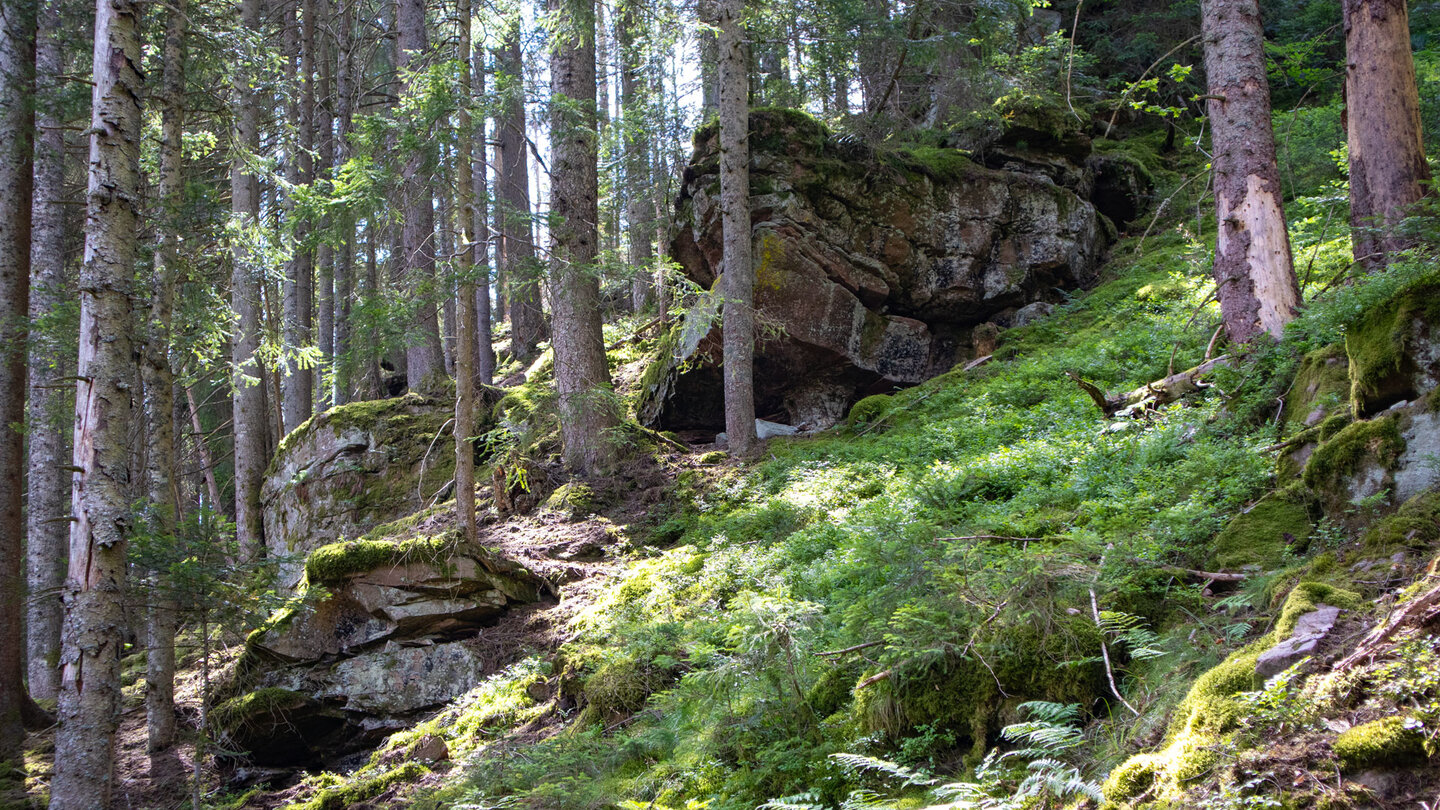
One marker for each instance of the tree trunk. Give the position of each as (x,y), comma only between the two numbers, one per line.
(479,240)
(517,241)
(95,588)
(709,61)
(465,302)
(162,492)
(639,208)
(582,377)
(48,498)
(249,396)
(17,124)
(1388,172)
(338,153)
(739,275)
(334,305)
(424,360)
(1253,270)
(299,392)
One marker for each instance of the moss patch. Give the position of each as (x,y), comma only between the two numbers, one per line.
(1306,597)
(343,795)
(1383,743)
(1341,456)
(1261,535)
(1378,347)
(262,703)
(332,563)
(869,409)
(1415,525)
(573,498)
(1322,383)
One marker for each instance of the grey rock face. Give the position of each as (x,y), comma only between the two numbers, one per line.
(871,269)
(1310,630)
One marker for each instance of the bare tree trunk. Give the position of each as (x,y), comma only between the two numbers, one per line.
(345,250)
(249,395)
(162,491)
(299,392)
(582,377)
(465,302)
(1253,269)
(202,449)
(639,207)
(709,61)
(517,240)
(1388,172)
(334,305)
(17,124)
(424,360)
(739,276)
(95,588)
(479,238)
(48,498)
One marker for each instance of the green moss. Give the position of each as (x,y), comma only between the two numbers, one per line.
(1416,525)
(241,711)
(936,163)
(713,457)
(1261,535)
(622,685)
(345,794)
(575,499)
(1378,346)
(1306,597)
(332,563)
(1386,743)
(1340,456)
(1322,382)
(1132,778)
(869,409)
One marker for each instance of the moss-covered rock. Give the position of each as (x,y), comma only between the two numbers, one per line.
(1392,350)
(1385,743)
(869,409)
(1261,535)
(1356,462)
(276,726)
(575,499)
(1415,525)
(333,563)
(1321,388)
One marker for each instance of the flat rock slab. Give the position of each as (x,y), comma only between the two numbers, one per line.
(1310,630)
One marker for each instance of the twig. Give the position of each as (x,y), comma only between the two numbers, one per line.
(1104,648)
(1160,209)
(867,645)
(874,679)
(1412,612)
(1153,65)
(1070,60)
(1006,538)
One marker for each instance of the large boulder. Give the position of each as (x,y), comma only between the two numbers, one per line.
(352,468)
(871,268)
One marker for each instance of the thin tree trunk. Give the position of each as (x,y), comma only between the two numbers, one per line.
(739,275)
(95,588)
(162,491)
(345,249)
(1388,172)
(582,377)
(424,360)
(17,124)
(48,498)
(299,394)
(639,208)
(1253,270)
(445,247)
(333,306)
(479,238)
(517,245)
(202,449)
(249,394)
(709,61)
(465,304)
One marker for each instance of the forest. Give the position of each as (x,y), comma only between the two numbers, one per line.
(686,404)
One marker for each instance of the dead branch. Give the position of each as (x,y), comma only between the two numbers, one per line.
(874,679)
(1417,612)
(1151,395)
(867,645)
(634,336)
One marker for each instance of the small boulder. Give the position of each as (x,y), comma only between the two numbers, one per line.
(1310,629)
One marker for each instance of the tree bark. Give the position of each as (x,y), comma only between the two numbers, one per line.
(95,588)
(299,392)
(424,359)
(17,123)
(739,275)
(332,282)
(48,498)
(582,376)
(639,208)
(162,491)
(709,61)
(465,301)
(1253,269)
(1388,172)
(340,153)
(249,424)
(478,219)
(517,241)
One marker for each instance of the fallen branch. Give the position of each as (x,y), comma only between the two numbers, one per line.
(634,336)
(1417,612)
(988,537)
(1214,576)
(874,679)
(867,645)
(1104,648)
(1151,395)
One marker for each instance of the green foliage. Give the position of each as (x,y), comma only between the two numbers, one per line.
(330,564)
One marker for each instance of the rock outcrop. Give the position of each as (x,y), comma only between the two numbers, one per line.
(401,627)
(872,268)
(353,468)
